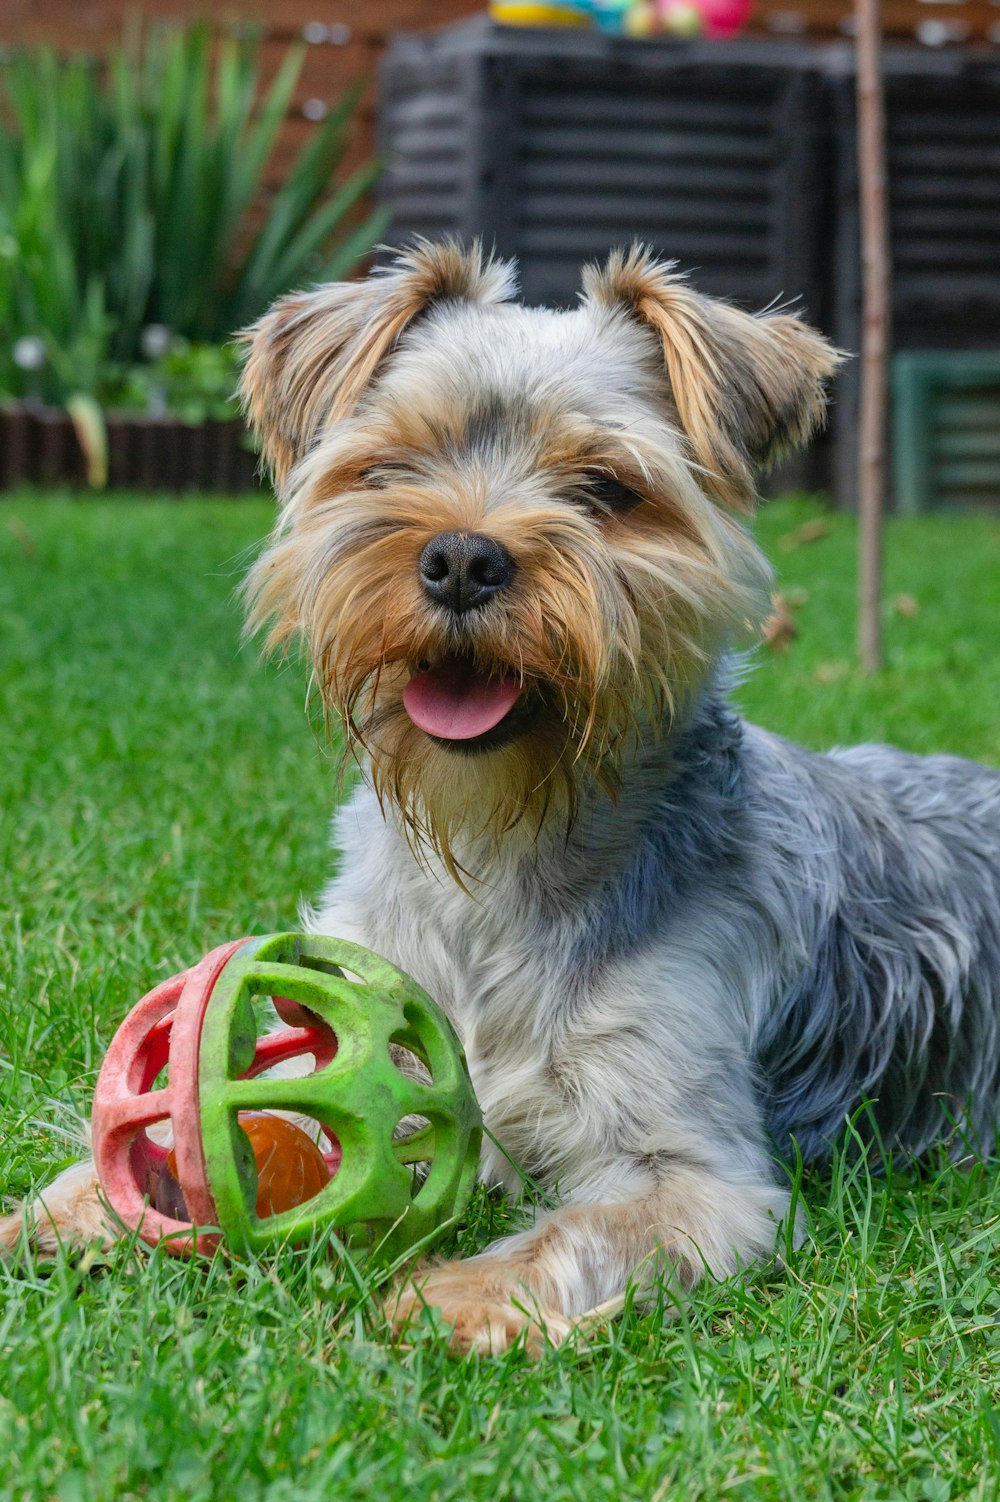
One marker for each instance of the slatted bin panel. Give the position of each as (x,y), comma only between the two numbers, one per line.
(690,157)
(944,194)
(946,430)
(943,139)
(424,131)
(560,146)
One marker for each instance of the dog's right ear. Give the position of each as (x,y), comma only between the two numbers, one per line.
(312,355)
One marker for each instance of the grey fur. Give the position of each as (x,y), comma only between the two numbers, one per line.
(847,913)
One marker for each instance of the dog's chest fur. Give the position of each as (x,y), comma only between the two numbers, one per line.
(501,965)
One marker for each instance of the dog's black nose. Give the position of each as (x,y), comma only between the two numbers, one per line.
(464,569)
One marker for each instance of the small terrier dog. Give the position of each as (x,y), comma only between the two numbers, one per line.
(672,943)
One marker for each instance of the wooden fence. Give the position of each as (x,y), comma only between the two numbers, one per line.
(934,23)
(345,37)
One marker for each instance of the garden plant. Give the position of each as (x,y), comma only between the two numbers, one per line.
(135,234)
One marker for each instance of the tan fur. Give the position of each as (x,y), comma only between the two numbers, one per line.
(747,388)
(313,353)
(538,1290)
(69,1213)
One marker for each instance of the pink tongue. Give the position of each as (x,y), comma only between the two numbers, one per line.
(456,703)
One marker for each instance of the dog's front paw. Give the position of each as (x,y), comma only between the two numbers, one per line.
(69,1214)
(481,1307)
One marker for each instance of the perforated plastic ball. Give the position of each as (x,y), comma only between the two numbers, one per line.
(397,1156)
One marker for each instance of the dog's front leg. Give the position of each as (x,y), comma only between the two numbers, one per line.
(536,1284)
(71,1213)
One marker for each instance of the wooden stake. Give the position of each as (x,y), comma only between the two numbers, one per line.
(875,276)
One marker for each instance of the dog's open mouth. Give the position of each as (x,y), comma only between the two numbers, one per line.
(460,705)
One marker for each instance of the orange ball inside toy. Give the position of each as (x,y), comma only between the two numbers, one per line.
(290,1166)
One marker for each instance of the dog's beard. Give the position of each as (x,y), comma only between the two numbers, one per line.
(573,684)
(605,635)
(453,798)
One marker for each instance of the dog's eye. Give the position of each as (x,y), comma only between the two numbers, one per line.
(605,493)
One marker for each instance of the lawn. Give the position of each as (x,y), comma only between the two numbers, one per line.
(161,792)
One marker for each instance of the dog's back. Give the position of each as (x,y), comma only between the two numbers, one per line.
(889,863)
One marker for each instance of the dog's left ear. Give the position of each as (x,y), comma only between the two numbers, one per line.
(312,355)
(747,389)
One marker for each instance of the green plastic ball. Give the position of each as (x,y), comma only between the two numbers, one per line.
(361,1095)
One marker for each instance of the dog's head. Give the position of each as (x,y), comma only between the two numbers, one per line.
(508,535)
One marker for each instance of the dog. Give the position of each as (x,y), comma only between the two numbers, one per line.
(675,946)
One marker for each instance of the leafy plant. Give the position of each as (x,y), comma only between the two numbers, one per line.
(196,382)
(127,194)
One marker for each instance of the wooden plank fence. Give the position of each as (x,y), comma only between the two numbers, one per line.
(346,37)
(344,40)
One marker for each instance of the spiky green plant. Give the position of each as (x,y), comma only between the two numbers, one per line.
(126,194)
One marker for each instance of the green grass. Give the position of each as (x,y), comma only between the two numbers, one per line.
(160,792)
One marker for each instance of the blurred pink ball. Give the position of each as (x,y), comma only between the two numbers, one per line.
(725,18)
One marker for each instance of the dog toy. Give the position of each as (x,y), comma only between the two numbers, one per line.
(239,1171)
(680,18)
(718,19)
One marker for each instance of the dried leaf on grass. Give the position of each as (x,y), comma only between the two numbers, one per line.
(29,547)
(779,630)
(812,531)
(831,672)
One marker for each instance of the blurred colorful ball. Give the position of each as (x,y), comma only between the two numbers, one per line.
(725,18)
(612,15)
(681,18)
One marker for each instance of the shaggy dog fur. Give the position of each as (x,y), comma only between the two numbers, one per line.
(671,942)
